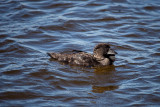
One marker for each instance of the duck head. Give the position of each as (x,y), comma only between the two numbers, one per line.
(103,53)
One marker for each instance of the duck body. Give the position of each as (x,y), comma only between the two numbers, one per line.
(80,58)
(100,56)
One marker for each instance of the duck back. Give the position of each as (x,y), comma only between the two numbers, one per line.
(76,58)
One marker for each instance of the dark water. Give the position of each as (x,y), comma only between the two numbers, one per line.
(30,28)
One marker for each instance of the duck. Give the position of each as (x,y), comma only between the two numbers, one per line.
(103,55)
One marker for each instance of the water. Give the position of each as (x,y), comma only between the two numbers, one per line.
(31,28)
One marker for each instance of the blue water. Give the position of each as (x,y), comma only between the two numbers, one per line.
(31,28)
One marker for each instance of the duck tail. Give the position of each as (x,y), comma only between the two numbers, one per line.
(53,55)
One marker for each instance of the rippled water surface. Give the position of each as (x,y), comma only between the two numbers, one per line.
(31,28)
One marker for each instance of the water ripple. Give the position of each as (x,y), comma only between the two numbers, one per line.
(31,28)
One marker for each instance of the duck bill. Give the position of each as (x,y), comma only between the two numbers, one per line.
(111,52)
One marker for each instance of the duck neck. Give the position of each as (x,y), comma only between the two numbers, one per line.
(103,60)
(99,57)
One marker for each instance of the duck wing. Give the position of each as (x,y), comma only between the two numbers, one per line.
(84,59)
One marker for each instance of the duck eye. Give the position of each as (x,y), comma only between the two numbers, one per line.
(107,46)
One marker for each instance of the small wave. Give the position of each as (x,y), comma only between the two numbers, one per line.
(18,95)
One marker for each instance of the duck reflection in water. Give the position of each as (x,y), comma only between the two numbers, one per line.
(102,55)
(104,79)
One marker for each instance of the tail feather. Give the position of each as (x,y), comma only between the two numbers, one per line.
(53,55)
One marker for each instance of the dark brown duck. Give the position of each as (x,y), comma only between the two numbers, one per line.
(102,55)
